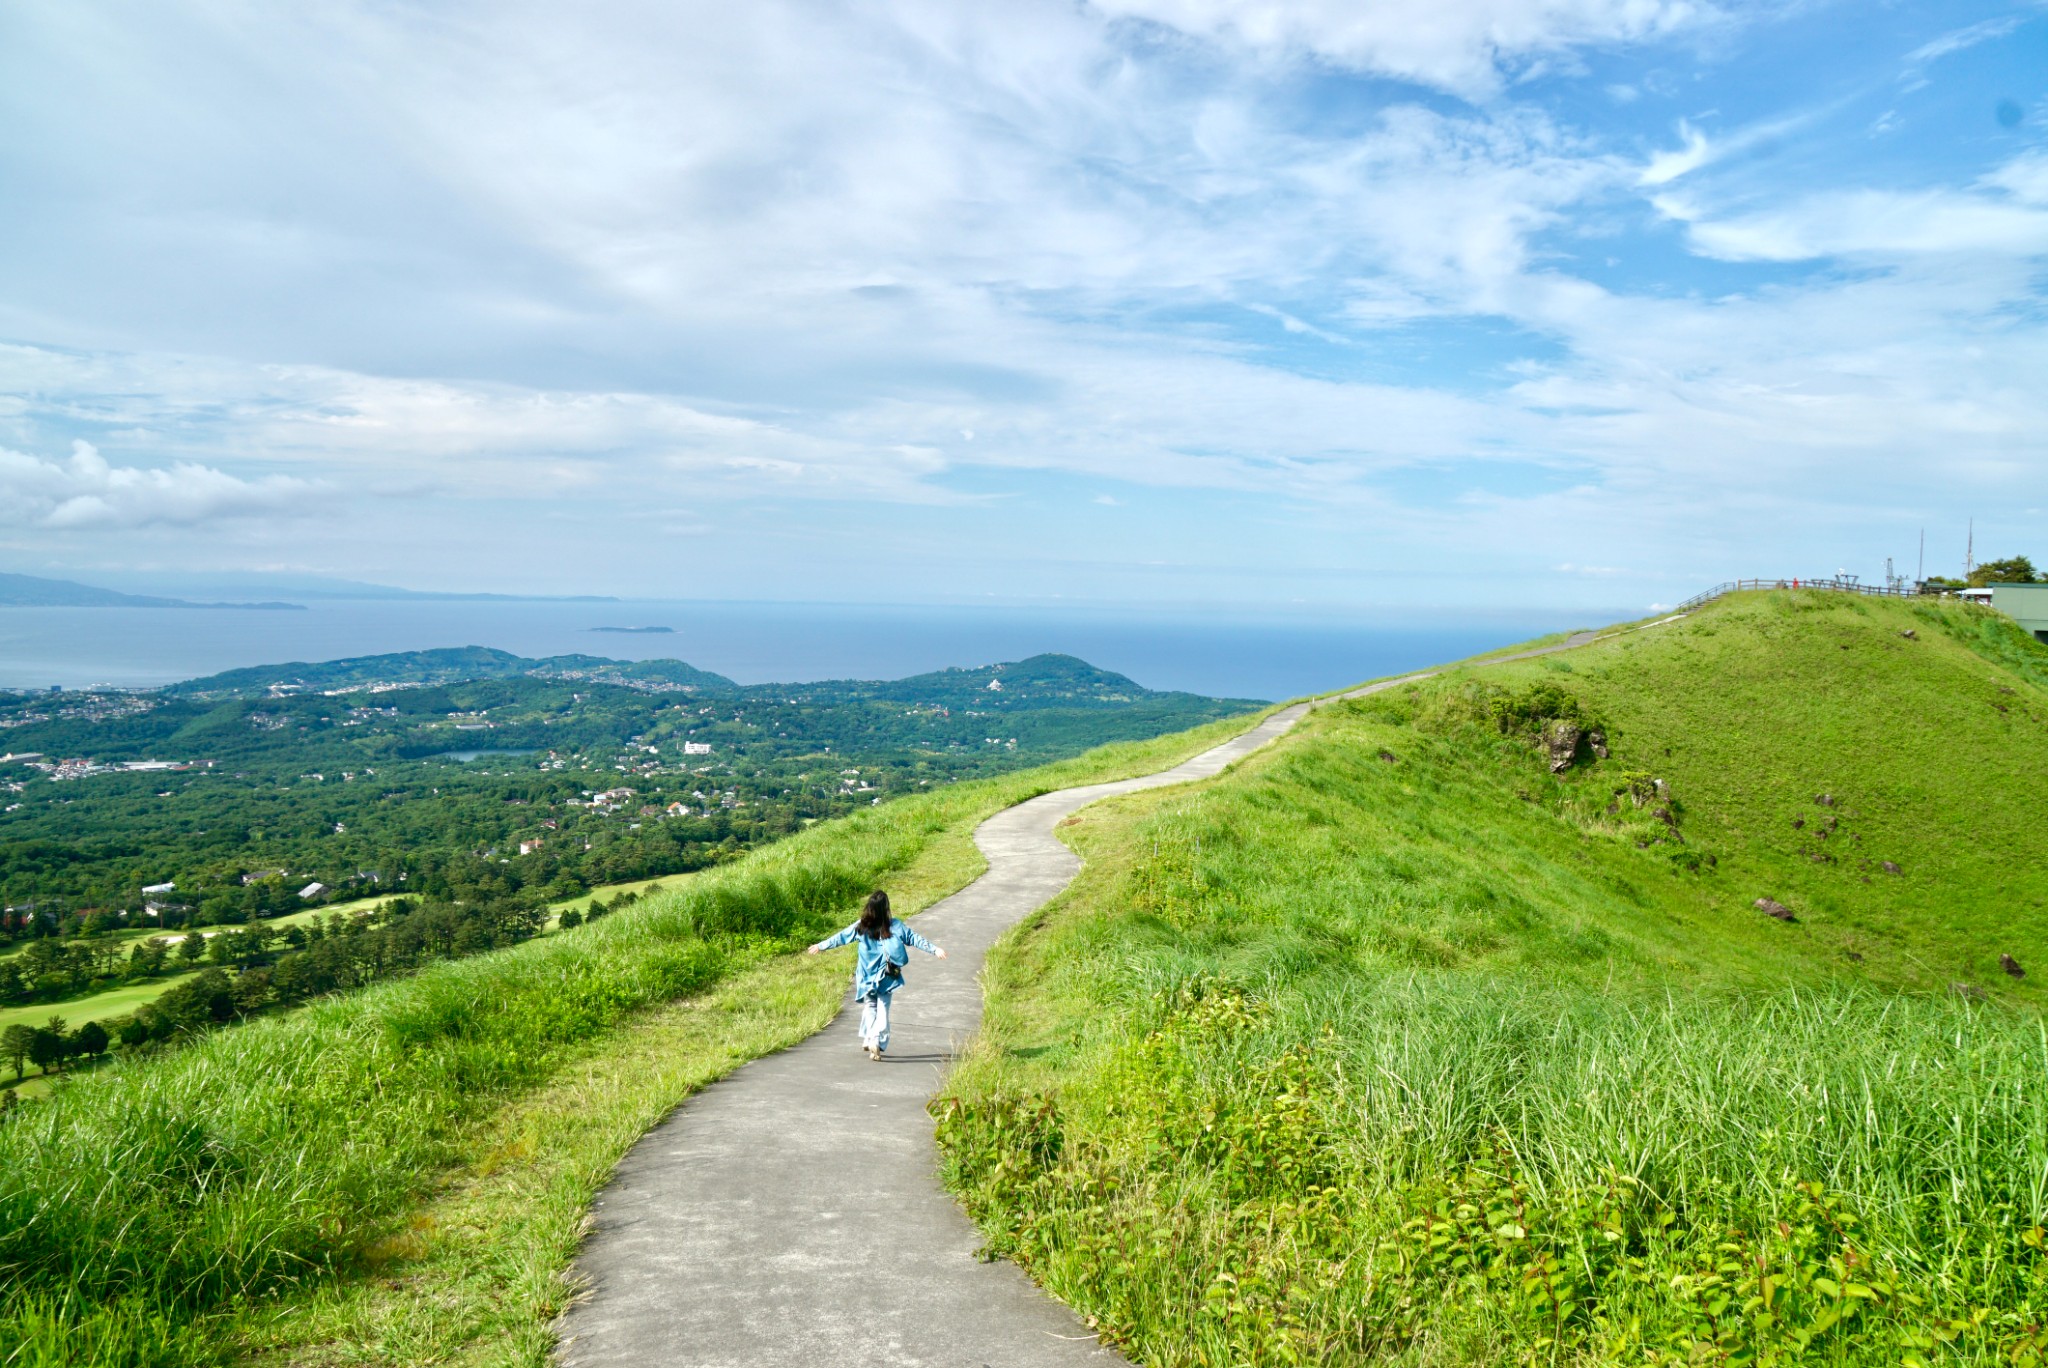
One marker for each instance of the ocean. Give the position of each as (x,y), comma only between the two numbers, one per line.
(1237,657)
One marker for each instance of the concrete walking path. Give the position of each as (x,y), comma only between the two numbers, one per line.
(791,1214)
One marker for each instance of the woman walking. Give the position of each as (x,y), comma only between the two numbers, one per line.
(883,944)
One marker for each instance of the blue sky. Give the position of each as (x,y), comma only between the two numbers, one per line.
(1323,305)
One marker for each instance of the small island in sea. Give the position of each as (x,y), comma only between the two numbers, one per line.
(637,631)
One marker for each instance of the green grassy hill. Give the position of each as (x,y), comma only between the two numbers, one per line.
(1393,1045)
(401,1173)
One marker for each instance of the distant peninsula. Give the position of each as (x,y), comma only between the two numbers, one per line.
(637,631)
(32,591)
(451,665)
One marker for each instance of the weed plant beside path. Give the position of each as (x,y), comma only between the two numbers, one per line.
(143,1204)
(1394,1046)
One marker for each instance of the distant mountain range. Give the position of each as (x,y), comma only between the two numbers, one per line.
(209,591)
(32,591)
(451,665)
(321,587)
(1039,681)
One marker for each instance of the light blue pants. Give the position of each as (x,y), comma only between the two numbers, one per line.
(874,1019)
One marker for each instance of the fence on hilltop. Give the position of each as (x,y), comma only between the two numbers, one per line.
(1836,583)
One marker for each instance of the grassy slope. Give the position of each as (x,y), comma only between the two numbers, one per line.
(1935,753)
(1433,1059)
(474,1275)
(77,1011)
(276,1161)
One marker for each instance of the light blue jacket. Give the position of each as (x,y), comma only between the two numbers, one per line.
(874,954)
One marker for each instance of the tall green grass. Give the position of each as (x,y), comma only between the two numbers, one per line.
(1392,1046)
(1276,1173)
(136,1201)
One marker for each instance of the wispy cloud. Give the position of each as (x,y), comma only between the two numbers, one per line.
(1463,46)
(2025,178)
(1955,40)
(1875,223)
(1694,152)
(752,265)
(1289,323)
(1697,150)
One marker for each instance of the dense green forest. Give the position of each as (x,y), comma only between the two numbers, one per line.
(230,800)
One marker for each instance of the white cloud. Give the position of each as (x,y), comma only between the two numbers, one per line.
(2025,178)
(1697,150)
(1665,167)
(642,257)
(86,492)
(1833,392)
(1873,223)
(1464,46)
(1289,323)
(1957,39)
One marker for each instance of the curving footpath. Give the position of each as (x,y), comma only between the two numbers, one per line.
(791,1214)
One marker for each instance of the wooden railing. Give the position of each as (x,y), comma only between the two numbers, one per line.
(1831,582)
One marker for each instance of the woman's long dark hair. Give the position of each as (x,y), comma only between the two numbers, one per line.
(874,918)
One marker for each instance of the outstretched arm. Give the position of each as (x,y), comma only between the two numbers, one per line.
(834,942)
(921,943)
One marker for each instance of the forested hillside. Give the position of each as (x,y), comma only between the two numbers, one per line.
(442,816)
(1672,1000)
(392,777)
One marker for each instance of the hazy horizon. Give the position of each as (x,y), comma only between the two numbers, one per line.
(1267,656)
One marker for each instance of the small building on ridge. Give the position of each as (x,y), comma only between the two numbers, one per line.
(2026,604)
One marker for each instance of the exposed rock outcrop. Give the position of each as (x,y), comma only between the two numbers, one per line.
(1561,739)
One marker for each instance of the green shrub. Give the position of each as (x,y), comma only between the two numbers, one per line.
(1531,709)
